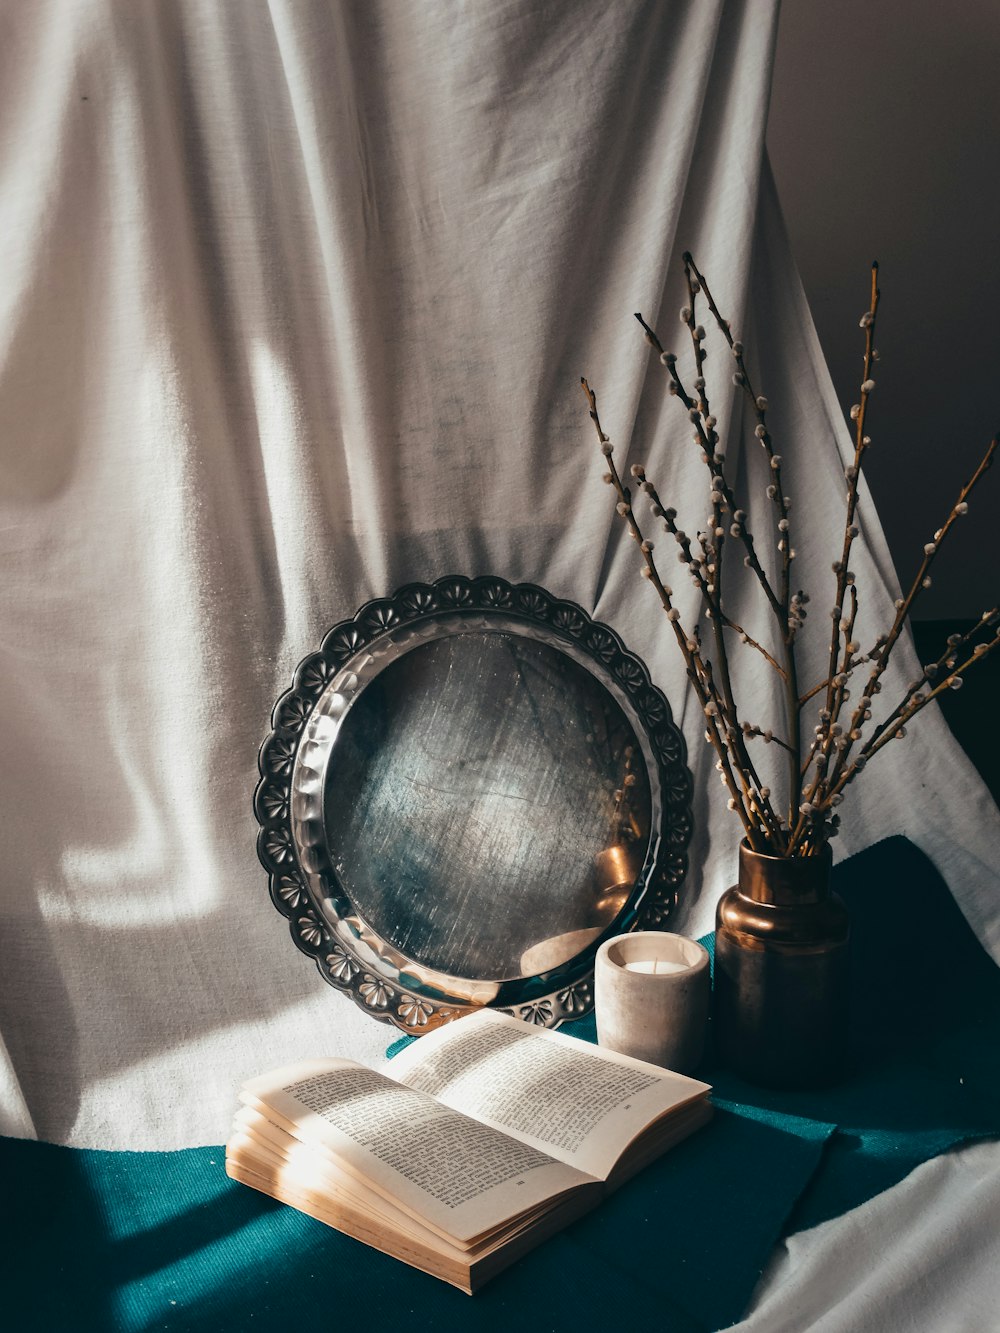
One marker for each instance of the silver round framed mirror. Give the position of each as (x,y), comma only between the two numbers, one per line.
(469,787)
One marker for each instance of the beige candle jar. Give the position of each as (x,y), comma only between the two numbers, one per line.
(651,996)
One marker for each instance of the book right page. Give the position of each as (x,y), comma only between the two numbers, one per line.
(579,1103)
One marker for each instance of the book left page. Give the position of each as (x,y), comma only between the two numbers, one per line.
(439,1165)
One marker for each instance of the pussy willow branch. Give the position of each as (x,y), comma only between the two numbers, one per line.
(914,697)
(745,535)
(889,733)
(836,683)
(758,405)
(721,497)
(697,674)
(923,573)
(954,642)
(829,733)
(684,543)
(777,493)
(830,783)
(811,821)
(715,551)
(759,793)
(921,580)
(853,479)
(851,649)
(704,575)
(707,439)
(708,583)
(699,670)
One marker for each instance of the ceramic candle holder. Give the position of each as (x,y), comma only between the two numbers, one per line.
(651,995)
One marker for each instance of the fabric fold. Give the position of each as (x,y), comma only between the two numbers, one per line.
(300,299)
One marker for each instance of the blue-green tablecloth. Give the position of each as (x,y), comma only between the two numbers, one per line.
(144,1241)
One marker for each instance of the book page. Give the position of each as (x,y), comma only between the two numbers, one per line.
(578,1102)
(257,1145)
(257,1142)
(462,1176)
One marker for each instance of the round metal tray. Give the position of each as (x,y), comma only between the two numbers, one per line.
(469,787)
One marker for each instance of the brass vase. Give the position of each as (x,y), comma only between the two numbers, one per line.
(781,1002)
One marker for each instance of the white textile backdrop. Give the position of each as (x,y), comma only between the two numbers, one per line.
(295,302)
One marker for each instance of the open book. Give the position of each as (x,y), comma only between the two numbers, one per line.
(492,1135)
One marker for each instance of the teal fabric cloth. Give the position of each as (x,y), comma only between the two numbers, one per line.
(143,1241)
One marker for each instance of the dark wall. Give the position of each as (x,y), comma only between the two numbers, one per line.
(884,135)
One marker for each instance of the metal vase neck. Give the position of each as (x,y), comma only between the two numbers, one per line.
(783,880)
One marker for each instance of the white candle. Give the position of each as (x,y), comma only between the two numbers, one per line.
(651,993)
(655,966)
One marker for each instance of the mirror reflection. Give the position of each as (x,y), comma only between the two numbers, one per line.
(487,806)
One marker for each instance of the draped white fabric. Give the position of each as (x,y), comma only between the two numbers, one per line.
(920,1256)
(296,300)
